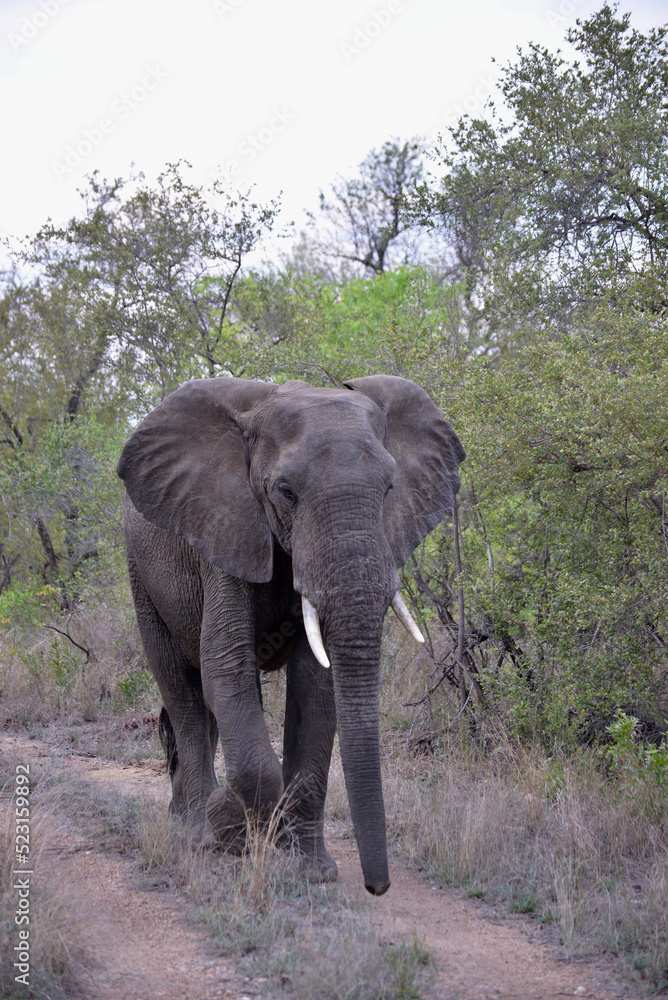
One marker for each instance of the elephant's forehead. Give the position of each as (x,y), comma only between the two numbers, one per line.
(312,413)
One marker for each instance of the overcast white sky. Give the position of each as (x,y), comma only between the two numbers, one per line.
(290,92)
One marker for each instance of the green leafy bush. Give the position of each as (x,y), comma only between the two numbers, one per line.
(135,685)
(641,767)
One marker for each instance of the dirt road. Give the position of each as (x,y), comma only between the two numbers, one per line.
(146,945)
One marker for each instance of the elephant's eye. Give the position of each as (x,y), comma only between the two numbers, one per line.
(390,487)
(286,493)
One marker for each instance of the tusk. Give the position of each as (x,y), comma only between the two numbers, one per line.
(312,626)
(405,617)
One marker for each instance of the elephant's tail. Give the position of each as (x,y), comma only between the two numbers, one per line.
(168,740)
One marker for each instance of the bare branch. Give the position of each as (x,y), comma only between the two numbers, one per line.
(73,641)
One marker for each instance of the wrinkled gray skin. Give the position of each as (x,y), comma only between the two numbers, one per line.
(242,496)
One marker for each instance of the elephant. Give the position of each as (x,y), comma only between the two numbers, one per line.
(264,526)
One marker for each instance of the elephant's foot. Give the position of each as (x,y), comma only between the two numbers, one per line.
(319,868)
(195,831)
(199,837)
(178,809)
(227,819)
(206,842)
(315,861)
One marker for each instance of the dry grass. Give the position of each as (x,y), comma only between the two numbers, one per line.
(158,836)
(45,676)
(560,837)
(549,836)
(59,963)
(260,910)
(351,961)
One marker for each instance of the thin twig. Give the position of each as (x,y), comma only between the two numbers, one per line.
(74,643)
(463,708)
(479,522)
(596,631)
(460,604)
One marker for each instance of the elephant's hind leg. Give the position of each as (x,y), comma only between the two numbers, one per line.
(169,749)
(178,805)
(189,729)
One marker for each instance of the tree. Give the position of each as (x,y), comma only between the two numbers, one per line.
(561,195)
(122,304)
(556,212)
(566,443)
(363,222)
(302,325)
(161,264)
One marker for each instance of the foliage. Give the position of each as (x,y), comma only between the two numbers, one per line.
(135,685)
(64,665)
(563,529)
(560,193)
(403,322)
(25,605)
(121,305)
(557,228)
(63,483)
(161,263)
(643,767)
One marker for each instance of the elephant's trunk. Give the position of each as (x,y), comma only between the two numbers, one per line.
(314,635)
(350,583)
(354,650)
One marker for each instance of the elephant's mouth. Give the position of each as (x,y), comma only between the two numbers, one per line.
(314,635)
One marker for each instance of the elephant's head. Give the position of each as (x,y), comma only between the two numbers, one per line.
(348,482)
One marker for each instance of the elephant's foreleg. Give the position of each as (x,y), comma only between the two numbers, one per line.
(310,724)
(229,676)
(253,773)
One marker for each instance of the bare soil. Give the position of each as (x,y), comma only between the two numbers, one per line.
(146,944)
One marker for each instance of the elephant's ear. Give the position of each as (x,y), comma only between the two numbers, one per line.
(428,454)
(186,470)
